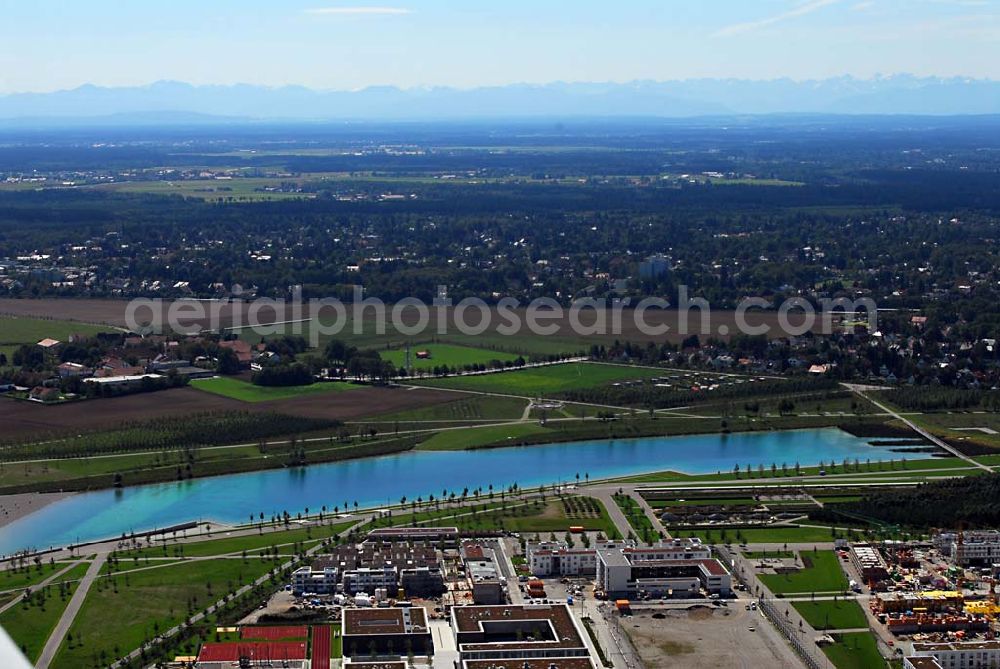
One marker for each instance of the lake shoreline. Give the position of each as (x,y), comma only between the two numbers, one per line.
(17,506)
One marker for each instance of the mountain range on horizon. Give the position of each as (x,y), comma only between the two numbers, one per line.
(898,94)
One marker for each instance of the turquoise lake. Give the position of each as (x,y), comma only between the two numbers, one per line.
(383,480)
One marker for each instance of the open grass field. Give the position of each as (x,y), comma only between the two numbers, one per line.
(473,437)
(21,578)
(822,573)
(445,354)
(826,614)
(16,331)
(123,610)
(245,391)
(857,650)
(546,380)
(23,420)
(31,622)
(463,409)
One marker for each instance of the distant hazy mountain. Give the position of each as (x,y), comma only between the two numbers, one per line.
(900,94)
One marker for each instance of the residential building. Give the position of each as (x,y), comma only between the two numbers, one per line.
(659,571)
(955,655)
(392,632)
(539,635)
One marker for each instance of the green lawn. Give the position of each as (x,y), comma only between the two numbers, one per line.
(17,330)
(31,622)
(546,380)
(445,354)
(244,391)
(112,623)
(453,440)
(822,573)
(858,650)
(829,615)
(26,576)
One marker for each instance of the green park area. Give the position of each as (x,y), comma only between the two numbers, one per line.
(139,604)
(821,572)
(30,622)
(830,614)
(857,650)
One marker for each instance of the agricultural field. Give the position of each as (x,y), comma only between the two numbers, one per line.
(445,355)
(243,189)
(821,573)
(245,391)
(16,331)
(548,380)
(467,409)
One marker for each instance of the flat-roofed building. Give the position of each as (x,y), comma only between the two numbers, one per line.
(957,654)
(444,535)
(628,572)
(385,632)
(555,558)
(318,579)
(483,574)
(521,663)
(516,633)
(869,562)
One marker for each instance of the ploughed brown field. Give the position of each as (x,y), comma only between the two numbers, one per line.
(722,323)
(22,419)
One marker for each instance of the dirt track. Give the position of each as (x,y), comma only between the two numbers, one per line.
(23,419)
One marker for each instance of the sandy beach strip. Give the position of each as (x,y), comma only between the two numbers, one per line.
(14,507)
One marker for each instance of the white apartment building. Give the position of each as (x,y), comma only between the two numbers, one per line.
(955,655)
(322,581)
(555,558)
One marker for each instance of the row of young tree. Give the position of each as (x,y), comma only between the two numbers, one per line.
(203,429)
(973,501)
(937,398)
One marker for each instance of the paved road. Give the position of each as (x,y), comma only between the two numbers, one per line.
(606,495)
(919,430)
(69,614)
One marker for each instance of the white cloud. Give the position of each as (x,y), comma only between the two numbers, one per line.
(359,11)
(801,10)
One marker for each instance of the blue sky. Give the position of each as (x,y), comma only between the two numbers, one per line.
(349,44)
